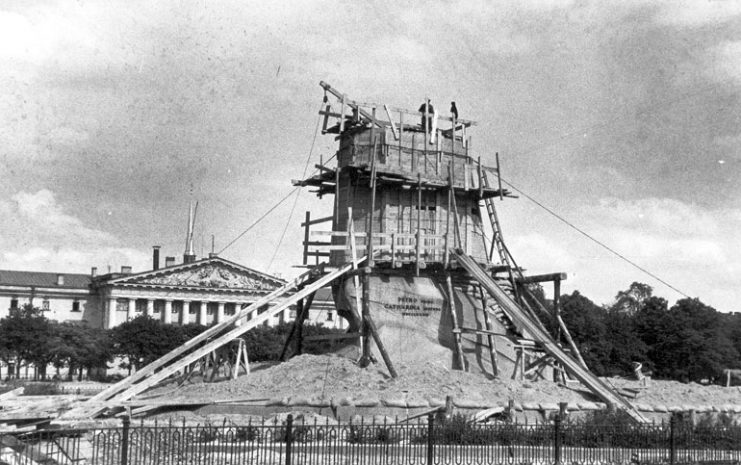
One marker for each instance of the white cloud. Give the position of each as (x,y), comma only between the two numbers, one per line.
(725,61)
(39,234)
(695,13)
(692,248)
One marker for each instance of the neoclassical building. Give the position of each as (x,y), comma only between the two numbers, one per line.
(202,291)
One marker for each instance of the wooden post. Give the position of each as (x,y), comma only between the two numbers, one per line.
(499,178)
(379,343)
(489,337)
(419,219)
(369,238)
(481,184)
(353,251)
(391,120)
(366,357)
(342,114)
(401,133)
(393,250)
(299,326)
(454,317)
(373,130)
(459,242)
(306,238)
(556,317)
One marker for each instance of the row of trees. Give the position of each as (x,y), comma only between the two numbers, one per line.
(28,339)
(689,341)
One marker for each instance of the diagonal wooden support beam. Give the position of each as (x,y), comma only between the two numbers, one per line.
(153,378)
(191,344)
(525,321)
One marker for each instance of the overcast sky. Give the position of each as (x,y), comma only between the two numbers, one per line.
(622,117)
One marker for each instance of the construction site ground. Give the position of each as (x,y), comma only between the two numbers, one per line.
(336,387)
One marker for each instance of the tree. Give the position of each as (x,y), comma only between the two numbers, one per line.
(144,340)
(586,322)
(24,337)
(631,300)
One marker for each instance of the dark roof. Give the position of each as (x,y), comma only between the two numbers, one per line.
(42,279)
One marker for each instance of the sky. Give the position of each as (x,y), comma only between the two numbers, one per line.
(622,118)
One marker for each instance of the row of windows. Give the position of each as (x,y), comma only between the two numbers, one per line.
(158,306)
(45,305)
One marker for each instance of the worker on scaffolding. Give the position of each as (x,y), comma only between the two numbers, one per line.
(427,111)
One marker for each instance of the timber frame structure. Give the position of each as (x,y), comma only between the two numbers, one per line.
(409,199)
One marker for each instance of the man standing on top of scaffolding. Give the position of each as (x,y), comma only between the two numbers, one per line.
(427,111)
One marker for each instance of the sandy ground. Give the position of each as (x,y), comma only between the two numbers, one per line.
(330,377)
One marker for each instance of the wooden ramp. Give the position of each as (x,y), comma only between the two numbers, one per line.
(209,340)
(605,392)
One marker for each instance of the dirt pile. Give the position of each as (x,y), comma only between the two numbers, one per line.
(328,376)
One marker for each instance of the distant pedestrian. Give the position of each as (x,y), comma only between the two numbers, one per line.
(453,110)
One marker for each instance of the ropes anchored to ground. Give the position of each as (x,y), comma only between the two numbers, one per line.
(594,239)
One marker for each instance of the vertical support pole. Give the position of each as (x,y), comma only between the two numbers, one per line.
(454,317)
(430,437)
(353,251)
(419,221)
(455,216)
(439,155)
(306,237)
(369,247)
(342,114)
(125,441)
(393,250)
(365,359)
(289,438)
(447,227)
(489,337)
(557,440)
(557,374)
(427,128)
(401,132)
(299,322)
(373,131)
(673,440)
(481,184)
(499,178)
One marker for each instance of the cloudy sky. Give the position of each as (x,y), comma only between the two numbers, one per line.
(622,117)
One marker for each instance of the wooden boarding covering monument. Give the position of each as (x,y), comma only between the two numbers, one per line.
(407,259)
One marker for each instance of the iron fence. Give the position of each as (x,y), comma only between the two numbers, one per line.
(426,442)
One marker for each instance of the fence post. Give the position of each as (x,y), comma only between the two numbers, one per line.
(557,439)
(672,439)
(430,437)
(289,438)
(125,441)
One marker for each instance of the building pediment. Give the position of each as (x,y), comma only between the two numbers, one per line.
(213,273)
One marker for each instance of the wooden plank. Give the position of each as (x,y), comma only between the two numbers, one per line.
(192,343)
(539,278)
(153,378)
(332,337)
(391,120)
(597,386)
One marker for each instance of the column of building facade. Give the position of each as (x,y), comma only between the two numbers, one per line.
(167,317)
(150,308)
(202,316)
(185,313)
(220,312)
(131,309)
(112,312)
